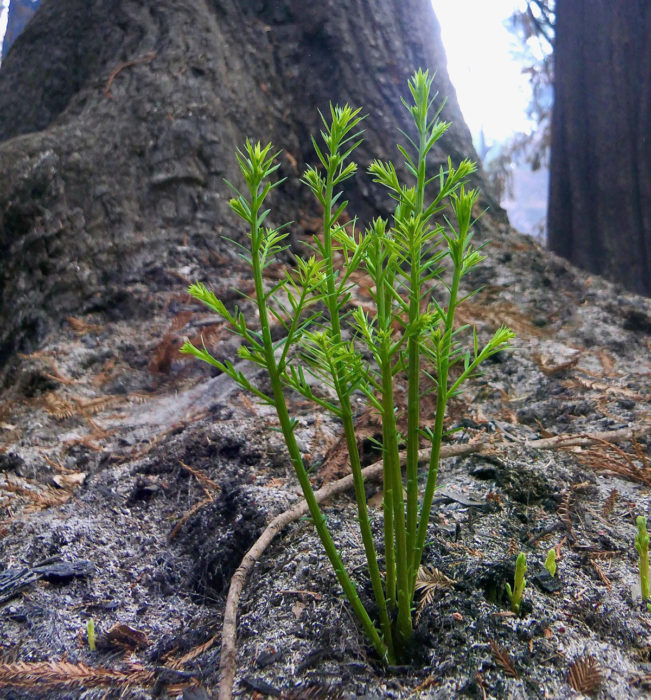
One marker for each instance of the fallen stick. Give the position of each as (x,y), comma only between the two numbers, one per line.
(583,439)
(227,661)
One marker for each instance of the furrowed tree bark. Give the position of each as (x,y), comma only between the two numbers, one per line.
(116,155)
(600,174)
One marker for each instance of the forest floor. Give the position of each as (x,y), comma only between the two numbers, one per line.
(131,486)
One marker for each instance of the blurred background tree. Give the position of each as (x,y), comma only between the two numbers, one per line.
(599,214)
(19,12)
(589,67)
(534,29)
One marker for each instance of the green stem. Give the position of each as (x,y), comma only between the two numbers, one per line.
(390,458)
(396,551)
(295,455)
(441,403)
(642,546)
(404,624)
(644,578)
(365,526)
(331,302)
(394,507)
(413,354)
(388,468)
(348,423)
(413,413)
(393,488)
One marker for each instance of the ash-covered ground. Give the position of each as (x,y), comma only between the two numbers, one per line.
(146,480)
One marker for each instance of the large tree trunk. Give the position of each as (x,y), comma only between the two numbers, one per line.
(600,186)
(120,118)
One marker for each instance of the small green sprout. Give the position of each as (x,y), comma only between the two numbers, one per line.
(550,562)
(90,633)
(642,546)
(519,582)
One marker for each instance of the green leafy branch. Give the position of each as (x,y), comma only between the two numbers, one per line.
(351,350)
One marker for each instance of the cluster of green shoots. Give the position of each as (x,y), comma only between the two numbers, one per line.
(410,336)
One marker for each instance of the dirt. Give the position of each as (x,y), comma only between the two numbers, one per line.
(125,459)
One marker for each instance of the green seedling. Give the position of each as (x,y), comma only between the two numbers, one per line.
(519,582)
(642,546)
(550,562)
(409,335)
(90,633)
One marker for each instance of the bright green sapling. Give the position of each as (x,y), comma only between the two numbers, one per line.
(642,546)
(90,633)
(550,562)
(519,582)
(353,351)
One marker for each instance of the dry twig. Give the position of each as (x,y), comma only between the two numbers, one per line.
(429,682)
(429,580)
(50,674)
(480,682)
(563,511)
(609,505)
(143,59)
(81,327)
(610,459)
(601,573)
(193,653)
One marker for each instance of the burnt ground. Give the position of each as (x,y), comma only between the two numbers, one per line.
(150,479)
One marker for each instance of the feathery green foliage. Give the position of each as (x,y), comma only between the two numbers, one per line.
(351,351)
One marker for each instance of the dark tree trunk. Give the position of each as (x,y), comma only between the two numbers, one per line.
(600,179)
(119,120)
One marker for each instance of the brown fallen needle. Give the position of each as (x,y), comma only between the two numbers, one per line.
(227,662)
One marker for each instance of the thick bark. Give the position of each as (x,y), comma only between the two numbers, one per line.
(102,186)
(600,179)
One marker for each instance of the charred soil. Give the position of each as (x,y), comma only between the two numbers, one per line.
(150,481)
